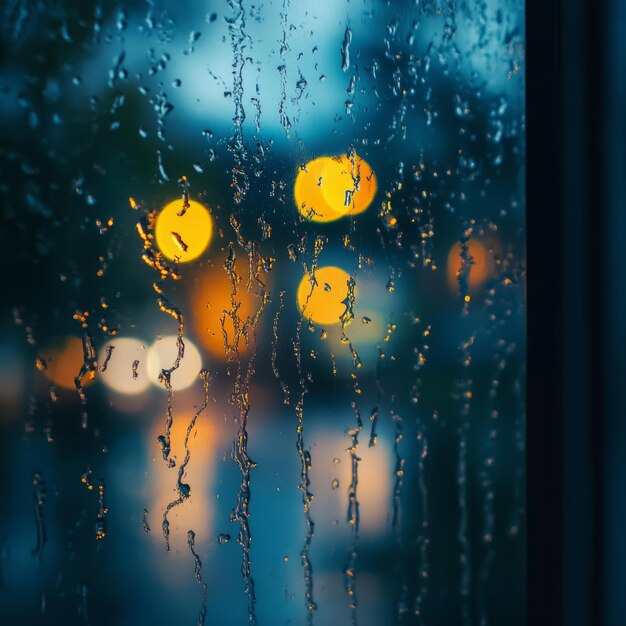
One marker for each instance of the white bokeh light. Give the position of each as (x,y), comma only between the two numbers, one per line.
(126,368)
(162,354)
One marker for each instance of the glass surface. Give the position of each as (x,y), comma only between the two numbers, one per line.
(262,326)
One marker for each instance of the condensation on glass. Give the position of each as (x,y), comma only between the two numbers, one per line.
(262,328)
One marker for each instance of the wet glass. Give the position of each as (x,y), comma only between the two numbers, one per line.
(262,328)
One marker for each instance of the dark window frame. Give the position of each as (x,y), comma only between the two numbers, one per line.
(576,78)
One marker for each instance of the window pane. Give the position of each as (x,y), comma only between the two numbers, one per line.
(263,341)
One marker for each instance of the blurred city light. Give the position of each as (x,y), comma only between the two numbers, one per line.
(183,233)
(62,360)
(482,266)
(215,306)
(125,369)
(163,353)
(324,301)
(330,187)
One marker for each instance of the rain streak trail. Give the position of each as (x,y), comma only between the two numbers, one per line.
(101,529)
(305,482)
(165,377)
(107,358)
(191,540)
(463,274)
(353,503)
(184,489)
(241,511)
(283,385)
(353,516)
(380,392)
(284,118)
(238,38)
(346,318)
(154,259)
(305,455)
(345,49)
(241,397)
(88,368)
(373,432)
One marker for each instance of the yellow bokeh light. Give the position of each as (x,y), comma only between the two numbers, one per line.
(183,237)
(326,189)
(482,264)
(326,302)
(209,299)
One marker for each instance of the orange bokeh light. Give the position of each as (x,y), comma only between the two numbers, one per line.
(210,298)
(481,269)
(63,359)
